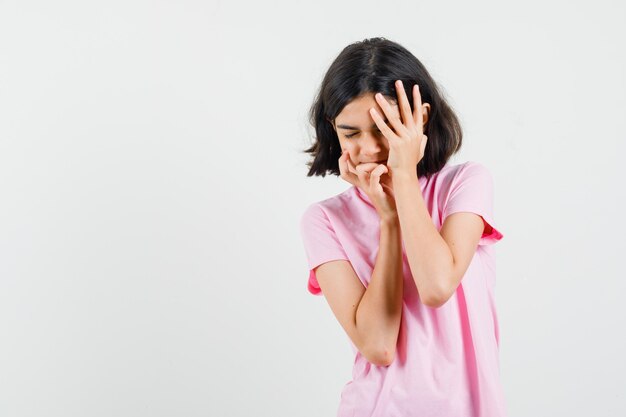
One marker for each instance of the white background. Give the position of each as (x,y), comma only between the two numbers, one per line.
(152,180)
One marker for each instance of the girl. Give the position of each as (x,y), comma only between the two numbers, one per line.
(405,256)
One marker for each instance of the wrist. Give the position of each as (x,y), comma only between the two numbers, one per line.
(401,177)
(390,221)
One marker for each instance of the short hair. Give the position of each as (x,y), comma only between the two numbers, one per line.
(370,66)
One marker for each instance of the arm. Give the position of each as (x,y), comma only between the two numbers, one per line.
(380,310)
(370,316)
(437,261)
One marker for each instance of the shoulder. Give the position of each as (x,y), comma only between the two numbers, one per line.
(473,168)
(451,175)
(328,207)
(465,169)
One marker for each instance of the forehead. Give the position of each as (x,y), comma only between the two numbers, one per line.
(358,109)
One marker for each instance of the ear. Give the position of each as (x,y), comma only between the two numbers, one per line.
(425,112)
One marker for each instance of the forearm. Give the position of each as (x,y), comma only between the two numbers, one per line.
(380,309)
(429,257)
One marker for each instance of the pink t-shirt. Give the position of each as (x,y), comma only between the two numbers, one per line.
(447,358)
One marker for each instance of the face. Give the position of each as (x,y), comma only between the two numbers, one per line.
(359,134)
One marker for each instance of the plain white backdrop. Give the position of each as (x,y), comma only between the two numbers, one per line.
(152,180)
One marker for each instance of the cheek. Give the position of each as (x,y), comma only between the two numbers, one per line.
(348,145)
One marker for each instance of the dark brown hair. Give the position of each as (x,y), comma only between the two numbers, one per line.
(370,66)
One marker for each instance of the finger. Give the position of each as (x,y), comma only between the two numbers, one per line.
(351,166)
(363,175)
(344,169)
(405,106)
(423,145)
(386,182)
(368,166)
(388,189)
(389,134)
(386,176)
(342,163)
(393,119)
(345,157)
(418,113)
(375,176)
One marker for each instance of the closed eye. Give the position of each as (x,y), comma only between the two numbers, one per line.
(353,134)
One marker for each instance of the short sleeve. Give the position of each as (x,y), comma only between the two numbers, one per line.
(472,190)
(320,243)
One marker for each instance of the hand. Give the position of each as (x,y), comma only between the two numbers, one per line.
(408,142)
(369,177)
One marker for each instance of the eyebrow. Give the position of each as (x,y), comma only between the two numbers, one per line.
(356,128)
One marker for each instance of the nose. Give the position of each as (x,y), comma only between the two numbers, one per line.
(370,145)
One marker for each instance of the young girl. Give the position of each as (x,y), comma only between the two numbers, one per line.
(405,256)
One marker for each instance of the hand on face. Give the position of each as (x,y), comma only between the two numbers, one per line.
(374,180)
(408,142)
